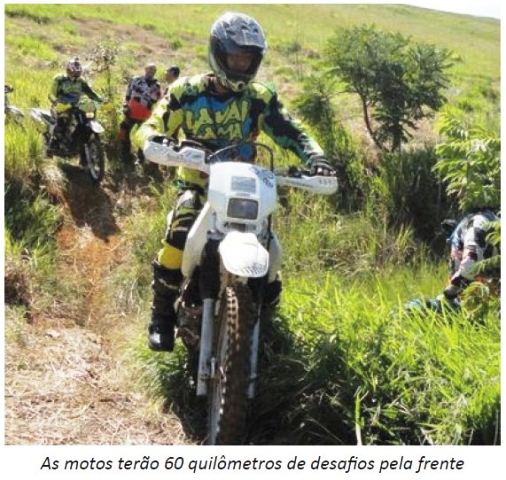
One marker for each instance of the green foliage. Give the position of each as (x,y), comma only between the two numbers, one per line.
(315,106)
(30,218)
(406,192)
(423,379)
(23,150)
(399,82)
(469,164)
(314,238)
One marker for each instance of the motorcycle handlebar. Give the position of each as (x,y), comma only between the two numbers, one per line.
(160,150)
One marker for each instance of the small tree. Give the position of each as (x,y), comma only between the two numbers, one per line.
(315,106)
(398,82)
(104,56)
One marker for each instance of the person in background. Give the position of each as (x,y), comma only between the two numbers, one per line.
(171,75)
(469,245)
(142,93)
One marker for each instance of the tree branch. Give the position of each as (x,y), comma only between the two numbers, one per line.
(368,123)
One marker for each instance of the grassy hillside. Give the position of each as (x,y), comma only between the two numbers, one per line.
(341,363)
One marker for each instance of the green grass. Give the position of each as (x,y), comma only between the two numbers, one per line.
(339,362)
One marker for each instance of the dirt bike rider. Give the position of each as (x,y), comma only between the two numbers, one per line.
(217,109)
(468,245)
(66,91)
(142,93)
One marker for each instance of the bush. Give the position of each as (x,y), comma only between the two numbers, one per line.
(315,107)
(406,192)
(469,164)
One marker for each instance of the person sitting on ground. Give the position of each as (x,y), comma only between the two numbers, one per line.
(469,245)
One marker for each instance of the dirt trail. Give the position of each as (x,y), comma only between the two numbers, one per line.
(64,382)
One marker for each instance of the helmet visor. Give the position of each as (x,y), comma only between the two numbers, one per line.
(239,63)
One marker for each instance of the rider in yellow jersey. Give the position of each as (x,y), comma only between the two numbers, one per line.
(66,90)
(217,109)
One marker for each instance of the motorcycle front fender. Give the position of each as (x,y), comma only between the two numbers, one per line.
(96,127)
(243,255)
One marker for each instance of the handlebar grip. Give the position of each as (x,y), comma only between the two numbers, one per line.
(320,184)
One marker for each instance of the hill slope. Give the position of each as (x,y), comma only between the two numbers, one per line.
(341,365)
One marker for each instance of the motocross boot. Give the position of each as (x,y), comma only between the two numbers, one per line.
(163,316)
(52,146)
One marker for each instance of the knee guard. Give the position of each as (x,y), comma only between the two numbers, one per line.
(165,290)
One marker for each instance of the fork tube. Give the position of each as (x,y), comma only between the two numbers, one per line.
(206,342)
(254,358)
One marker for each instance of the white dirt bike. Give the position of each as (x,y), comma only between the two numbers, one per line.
(230,255)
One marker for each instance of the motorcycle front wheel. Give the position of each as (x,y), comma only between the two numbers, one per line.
(92,157)
(229,386)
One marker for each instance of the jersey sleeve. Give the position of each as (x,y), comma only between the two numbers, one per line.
(53,94)
(87,90)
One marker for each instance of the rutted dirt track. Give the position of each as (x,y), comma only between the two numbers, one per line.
(65,382)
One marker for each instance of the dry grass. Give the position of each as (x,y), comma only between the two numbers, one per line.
(67,378)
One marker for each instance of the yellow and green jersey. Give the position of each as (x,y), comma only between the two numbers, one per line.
(192,109)
(69,90)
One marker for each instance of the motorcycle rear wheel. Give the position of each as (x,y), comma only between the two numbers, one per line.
(93,158)
(228,393)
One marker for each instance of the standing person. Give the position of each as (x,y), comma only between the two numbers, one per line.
(142,93)
(217,109)
(171,75)
(66,90)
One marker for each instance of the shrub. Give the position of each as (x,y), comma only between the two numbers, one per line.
(469,164)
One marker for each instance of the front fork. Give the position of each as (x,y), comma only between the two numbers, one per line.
(206,346)
(254,358)
(209,290)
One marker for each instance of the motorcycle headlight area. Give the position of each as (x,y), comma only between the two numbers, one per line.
(90,115)
(242,208)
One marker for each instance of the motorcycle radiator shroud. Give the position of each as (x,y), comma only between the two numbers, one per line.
(241,197)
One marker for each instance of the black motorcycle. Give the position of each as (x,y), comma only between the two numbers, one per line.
(75,132)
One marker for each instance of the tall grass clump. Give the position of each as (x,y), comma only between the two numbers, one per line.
(375,375)
(405,191)
(316,238)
